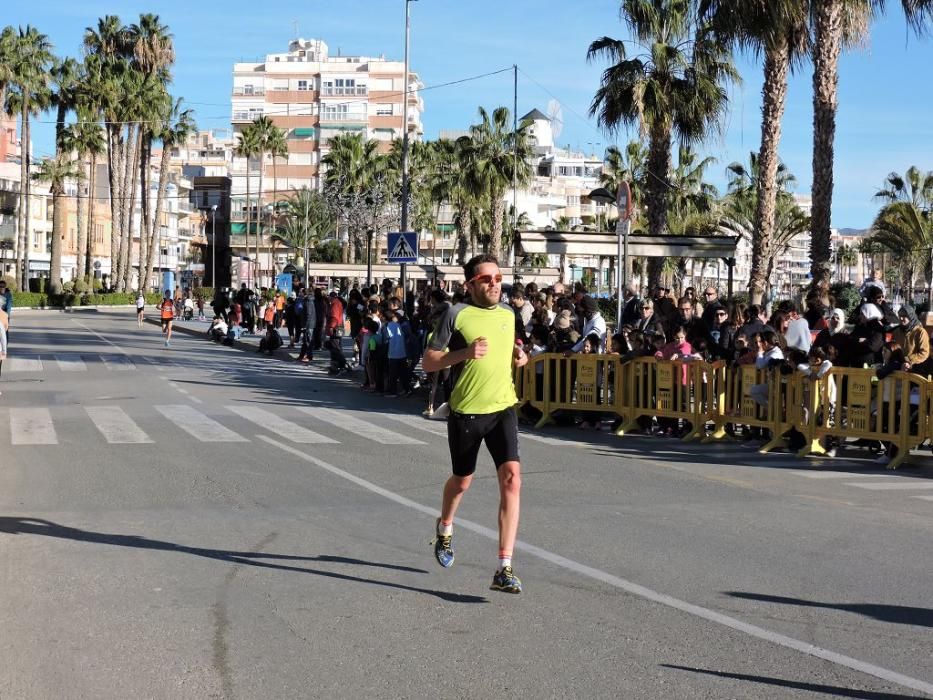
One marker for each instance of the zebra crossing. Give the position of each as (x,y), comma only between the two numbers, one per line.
(117,425)
(894,483)
(69,362)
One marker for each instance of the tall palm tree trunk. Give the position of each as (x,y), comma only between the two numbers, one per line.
(59,223)
(656,194)
(154,242)
(127,205)
(259,213)
(88,254)
(145,225)
(83,194)
(22,242)
(464,232)
(249,206)
(131,218)
(498,216)
(116,192)
(827,46)
(774,98)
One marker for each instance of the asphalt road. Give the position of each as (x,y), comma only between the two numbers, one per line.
(202,522)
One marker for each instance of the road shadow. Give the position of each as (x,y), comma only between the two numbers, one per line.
(834,690)
(895,614)
(46,528)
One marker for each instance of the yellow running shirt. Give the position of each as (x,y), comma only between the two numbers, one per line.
(484,385)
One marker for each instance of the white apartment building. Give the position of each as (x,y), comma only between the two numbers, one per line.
(313,96)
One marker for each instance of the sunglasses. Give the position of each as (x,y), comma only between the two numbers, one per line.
(486,279)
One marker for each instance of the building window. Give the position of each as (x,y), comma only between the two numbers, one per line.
(302,85)
(383,110)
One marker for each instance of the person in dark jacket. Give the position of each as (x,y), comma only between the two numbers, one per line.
(320,316)
(722,336)
(308,325)
(631,308)
(867,338)
(648,322)
(889,320)
(835,335)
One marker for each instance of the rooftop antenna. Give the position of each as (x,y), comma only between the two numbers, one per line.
(295,25)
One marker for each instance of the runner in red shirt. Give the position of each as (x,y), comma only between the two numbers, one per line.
(167,313)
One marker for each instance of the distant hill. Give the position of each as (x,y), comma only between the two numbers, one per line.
(853,232)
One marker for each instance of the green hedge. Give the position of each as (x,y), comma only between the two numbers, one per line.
(35,299)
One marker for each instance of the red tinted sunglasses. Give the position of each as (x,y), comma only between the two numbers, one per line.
(487,279)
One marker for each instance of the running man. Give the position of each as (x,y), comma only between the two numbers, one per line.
(477,341)
(167,312)
(140,308)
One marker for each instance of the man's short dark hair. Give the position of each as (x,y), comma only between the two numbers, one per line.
(787,306)
(469,270)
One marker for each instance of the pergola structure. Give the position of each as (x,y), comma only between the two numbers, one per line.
(605,244)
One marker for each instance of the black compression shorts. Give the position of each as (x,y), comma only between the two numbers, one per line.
(466,432)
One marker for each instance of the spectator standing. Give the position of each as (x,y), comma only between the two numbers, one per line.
(913,339)
(6,305)
(711,296)
(797,335)
(834,335)
(334,316)
(867,338)
(594,324)
(696,330)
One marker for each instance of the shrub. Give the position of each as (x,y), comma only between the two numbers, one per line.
(847,297)
(68,287)
(81,286)
(740,298)
(29,299)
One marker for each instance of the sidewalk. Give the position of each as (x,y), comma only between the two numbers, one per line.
(250,343)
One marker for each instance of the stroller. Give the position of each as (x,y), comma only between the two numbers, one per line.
(338,363)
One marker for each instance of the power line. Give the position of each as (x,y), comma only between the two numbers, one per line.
(280,113)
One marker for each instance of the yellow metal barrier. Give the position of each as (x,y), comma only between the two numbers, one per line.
(893,410)
(845,403)
(674,390)
(552,382)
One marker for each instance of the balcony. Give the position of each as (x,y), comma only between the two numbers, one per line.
(358,117)
(353,91)
(245,117)
(249,91)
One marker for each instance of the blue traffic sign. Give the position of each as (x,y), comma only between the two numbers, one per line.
(403,247)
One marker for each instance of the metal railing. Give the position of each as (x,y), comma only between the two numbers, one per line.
(355,91)
(343,117)
(249,91)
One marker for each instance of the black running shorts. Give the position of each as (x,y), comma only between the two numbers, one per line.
(466,432)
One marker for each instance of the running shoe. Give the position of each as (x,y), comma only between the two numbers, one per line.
(505,580)
(443,552)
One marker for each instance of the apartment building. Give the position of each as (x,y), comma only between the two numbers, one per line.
(313,96)
(9,141)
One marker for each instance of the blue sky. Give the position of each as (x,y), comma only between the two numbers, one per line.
(884,121)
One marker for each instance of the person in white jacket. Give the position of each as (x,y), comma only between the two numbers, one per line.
(769,352)
(594,324)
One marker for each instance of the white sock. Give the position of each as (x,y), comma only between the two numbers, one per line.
(445,530)
(504,562)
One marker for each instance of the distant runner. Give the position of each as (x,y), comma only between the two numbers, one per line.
(477,341)
(167,312)
(140,309)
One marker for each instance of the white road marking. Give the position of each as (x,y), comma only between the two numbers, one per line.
(345,421)
(195,399)
(435,427)
(279,426)
(120,363)
(116,426)
(925,498)
(631,587)
(71,363)
(198,425)
(839,475)
(892,486)
(32,426)
(24,363)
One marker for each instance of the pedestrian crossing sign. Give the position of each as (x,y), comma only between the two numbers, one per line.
(403,247)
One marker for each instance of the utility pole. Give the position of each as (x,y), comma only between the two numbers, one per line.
(405,183)
(515,241)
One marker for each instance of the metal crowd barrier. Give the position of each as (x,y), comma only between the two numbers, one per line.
(709,397)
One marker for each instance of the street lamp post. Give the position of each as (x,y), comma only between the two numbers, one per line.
(214,245)
(405,182)
(623,202)
(369,257)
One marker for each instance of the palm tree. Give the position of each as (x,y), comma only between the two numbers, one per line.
(914,186)
(248,147)
(177,126)
(906,230)
(676,89)
(307,222)
(778,30)
(278,148)
(493,154)
(152,46)
(32,57)
(56,171)
(834,23)
(355,185)
(265,134)
(7,58)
